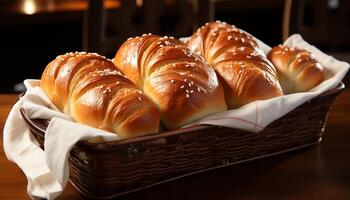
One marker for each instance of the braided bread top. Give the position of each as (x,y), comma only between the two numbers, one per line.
(247,75)
(181,83)
(298,69)
(90,89)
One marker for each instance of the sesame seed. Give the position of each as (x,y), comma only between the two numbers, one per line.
(187,91)
(172,81)
(187,95)
(185,79)
(191,91)
(139,98)
(182,86)
(229,37)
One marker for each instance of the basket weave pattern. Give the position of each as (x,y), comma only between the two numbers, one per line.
(110,169)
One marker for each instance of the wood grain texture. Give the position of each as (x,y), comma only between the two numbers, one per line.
(320,172)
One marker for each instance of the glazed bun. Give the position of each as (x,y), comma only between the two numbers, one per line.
(90,89)
(247,75)
(183,86)
(298,69)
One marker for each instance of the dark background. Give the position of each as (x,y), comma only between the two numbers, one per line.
(29,42)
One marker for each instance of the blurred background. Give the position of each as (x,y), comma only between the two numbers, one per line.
(34,32)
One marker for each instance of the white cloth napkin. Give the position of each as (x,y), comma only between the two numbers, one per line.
(257,115)
(47,171)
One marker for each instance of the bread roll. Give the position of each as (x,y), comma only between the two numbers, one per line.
(179,82)
(298,69)
(247,75)
(90,89)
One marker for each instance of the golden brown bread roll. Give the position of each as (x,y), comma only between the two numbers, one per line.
(181,84)
(90,89)
(298,69)
(247,75)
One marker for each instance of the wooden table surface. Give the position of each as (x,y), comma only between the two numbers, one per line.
(321,172)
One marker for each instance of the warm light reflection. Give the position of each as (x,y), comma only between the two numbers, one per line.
(29,7)
(139,3)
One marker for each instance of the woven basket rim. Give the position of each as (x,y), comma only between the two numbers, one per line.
(40,127)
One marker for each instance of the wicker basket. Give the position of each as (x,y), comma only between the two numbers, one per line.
(110,169)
